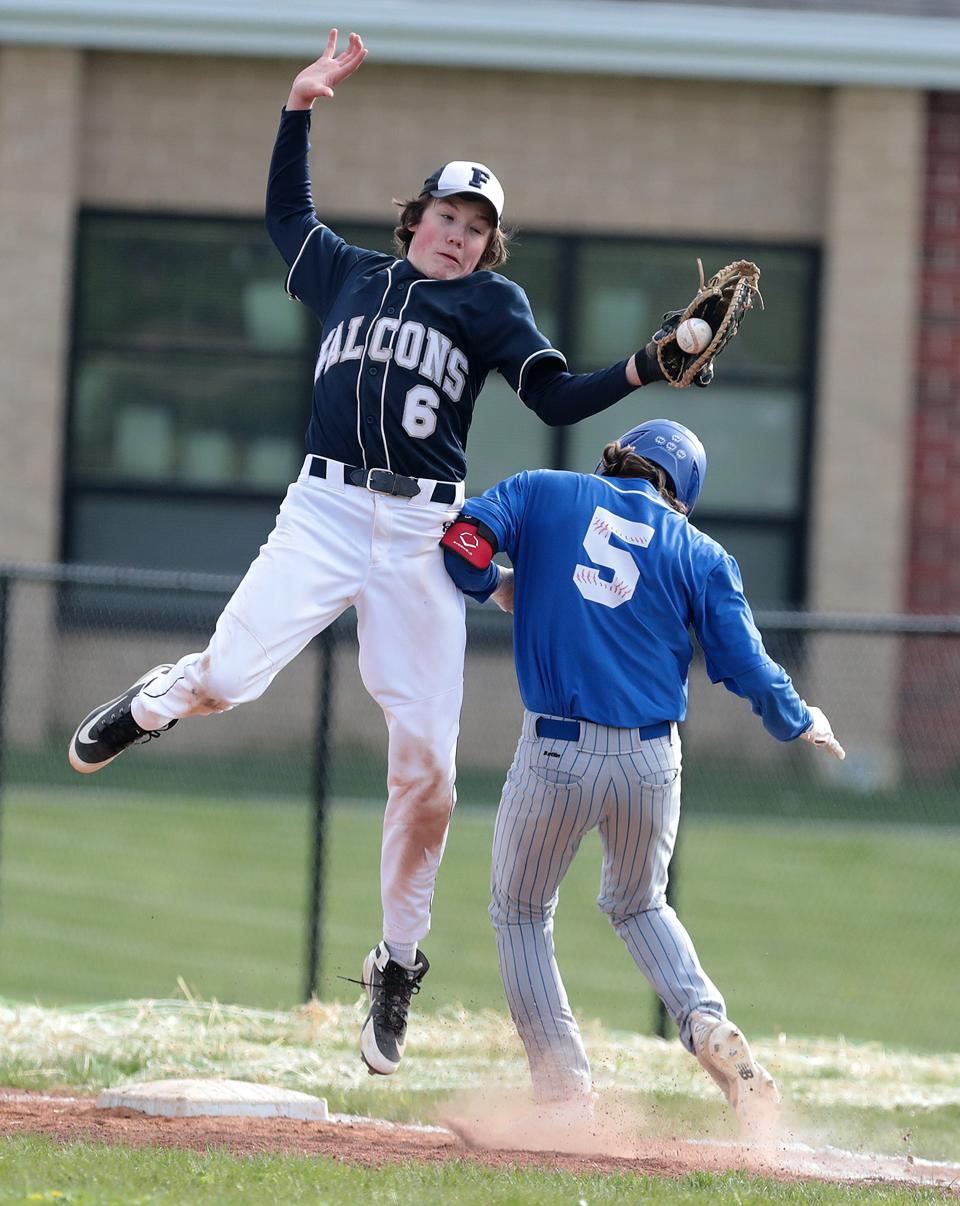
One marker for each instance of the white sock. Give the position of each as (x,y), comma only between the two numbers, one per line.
(404,953)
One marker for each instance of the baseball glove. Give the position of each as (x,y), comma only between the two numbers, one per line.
(722,303)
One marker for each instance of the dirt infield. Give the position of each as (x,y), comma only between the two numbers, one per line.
(370,1142)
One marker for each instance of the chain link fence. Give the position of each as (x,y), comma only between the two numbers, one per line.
(207,855)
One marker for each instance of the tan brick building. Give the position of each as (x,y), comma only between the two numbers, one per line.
(823,140)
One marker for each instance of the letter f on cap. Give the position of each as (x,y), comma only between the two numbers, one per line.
(463,176)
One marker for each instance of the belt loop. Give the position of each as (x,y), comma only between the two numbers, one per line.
(650,732)
(444,494)
(323,469)
(558,730)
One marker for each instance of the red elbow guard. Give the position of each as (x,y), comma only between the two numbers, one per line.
(464,538)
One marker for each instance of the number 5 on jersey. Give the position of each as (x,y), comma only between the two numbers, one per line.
(618,589)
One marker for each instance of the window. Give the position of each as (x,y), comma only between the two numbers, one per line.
(192,374)
(190,395)
(754,420)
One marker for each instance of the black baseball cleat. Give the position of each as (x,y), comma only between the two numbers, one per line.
(389,986)
(109,729)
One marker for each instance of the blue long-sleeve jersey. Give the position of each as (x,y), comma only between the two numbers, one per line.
(609,579)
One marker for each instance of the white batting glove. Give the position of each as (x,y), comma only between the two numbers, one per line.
(820,734)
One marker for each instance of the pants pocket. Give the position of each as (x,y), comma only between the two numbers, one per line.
(662,778)
(553,762)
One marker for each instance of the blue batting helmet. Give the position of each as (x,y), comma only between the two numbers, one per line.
(674,448)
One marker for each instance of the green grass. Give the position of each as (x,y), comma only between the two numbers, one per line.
(792,786)
(84,1174)
(828,931)
(355,772)
(807,930)
(109,896)
(855,1096)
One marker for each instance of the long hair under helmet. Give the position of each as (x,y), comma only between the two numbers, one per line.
(676,449)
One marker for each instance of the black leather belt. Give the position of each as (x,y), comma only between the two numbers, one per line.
(569,730)
(384,481)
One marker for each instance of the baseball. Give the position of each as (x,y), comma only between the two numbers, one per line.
(694,334)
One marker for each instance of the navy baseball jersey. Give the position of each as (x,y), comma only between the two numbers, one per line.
(608,580)
(403,356)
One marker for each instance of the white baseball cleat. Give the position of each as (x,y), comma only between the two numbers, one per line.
(748,1087)
(110,729)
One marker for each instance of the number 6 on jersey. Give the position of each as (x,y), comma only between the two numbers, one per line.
(611,592)
(420,411)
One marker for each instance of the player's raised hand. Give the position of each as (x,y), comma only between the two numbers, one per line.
(322,76)
(820,734)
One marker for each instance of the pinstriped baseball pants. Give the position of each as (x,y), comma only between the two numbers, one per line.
(555,793)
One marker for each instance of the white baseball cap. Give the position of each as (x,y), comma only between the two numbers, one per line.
(465,176)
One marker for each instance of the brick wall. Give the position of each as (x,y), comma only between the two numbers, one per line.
(593,152)
(934,577)
(931,667)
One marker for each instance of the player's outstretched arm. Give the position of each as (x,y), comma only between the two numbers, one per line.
(735,655)
(331,69)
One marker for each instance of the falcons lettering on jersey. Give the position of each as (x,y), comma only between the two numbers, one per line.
(410,345)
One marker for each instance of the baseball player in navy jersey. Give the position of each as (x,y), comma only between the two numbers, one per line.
(609,575)
(407,342)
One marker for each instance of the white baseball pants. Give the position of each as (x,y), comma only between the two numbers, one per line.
(335,546)
(556,792)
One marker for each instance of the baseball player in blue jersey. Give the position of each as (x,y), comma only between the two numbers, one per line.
(609,575)
(407,342)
